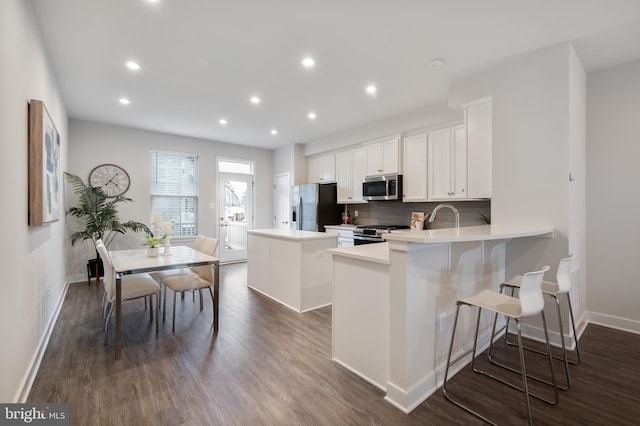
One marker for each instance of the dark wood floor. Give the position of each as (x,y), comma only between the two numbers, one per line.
(269,365)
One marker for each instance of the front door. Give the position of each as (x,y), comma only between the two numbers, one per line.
(235,213)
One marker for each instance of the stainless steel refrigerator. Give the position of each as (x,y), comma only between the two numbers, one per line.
(315,205)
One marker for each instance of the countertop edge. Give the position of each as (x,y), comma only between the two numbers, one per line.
(378,254)
(469,233)
(292,234)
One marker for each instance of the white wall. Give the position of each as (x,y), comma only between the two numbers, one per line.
(538,108)
(33,264)
(91,144)
(613,238)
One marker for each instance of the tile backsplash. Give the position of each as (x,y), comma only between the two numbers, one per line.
(399,213)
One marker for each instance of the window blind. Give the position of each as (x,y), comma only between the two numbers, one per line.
(174,190)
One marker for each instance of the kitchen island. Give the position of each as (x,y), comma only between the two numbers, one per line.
(291,266)
(394,303)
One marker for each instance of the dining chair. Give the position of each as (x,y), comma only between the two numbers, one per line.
(528,303)
(158,276)
(200,278)
(553,290)
(132,287)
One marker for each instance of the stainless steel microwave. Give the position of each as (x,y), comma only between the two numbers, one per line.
(384,187)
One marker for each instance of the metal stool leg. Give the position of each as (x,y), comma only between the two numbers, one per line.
(564,358)
(575,334)
(449,363)
(553,383)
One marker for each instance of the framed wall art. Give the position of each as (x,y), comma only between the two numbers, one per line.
(44,166)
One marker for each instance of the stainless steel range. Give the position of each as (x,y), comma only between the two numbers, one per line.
(370,234)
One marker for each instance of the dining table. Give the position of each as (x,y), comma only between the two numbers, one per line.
(136,261)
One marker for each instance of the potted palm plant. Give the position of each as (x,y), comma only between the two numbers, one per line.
(100,216)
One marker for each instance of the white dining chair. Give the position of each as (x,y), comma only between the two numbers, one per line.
(528,303)
(200,279)
(553,290)
(132,287)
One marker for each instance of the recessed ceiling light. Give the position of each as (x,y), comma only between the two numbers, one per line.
(312,115)
(223,121)
(308,62)
(274,132)
(371,89)
(124,101)
(132,65)
(435,63)
(255,100)
(152,1)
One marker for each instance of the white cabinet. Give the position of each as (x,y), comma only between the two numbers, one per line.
(322,169)
(447,163)
(350,167)
(479,144)
(345,234)
(291,266)
(414,183)
(383,157)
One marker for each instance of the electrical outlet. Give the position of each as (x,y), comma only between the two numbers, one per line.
(442,321)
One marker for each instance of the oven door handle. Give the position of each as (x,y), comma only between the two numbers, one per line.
(368,238)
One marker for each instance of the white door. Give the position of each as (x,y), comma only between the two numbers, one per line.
(281,201)
(235,213)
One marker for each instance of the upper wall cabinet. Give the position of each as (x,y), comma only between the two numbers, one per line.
(479,145)
(322,169)
(383,157)
(414,183)
(447,163)
(350,167)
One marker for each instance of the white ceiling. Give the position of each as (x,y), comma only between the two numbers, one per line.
(203,59)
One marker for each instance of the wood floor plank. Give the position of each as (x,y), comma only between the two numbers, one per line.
(269,365)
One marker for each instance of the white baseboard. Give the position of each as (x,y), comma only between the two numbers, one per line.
(25,385)
(618,323)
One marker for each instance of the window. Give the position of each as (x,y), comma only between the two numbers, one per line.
(174,190)
(235,166)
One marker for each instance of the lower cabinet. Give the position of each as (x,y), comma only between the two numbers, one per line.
(291,271)
(345,234)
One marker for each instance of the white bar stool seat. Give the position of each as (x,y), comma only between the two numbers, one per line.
(528,303)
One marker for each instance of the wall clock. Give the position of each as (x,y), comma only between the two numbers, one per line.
(113,180)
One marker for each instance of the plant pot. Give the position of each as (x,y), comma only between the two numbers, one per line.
(94,265)
(153,251)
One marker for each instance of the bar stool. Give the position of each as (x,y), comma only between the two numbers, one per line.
(553,290)
(528,303)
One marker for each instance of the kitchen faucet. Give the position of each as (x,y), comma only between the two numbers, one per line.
(432,217)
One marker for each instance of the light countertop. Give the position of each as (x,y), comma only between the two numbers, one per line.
(292,234)
(468,233)
(349,227)
(378,253)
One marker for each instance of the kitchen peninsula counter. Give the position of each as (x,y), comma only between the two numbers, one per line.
(393,302)
(290,266)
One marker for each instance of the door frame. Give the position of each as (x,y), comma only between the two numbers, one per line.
(221,177)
